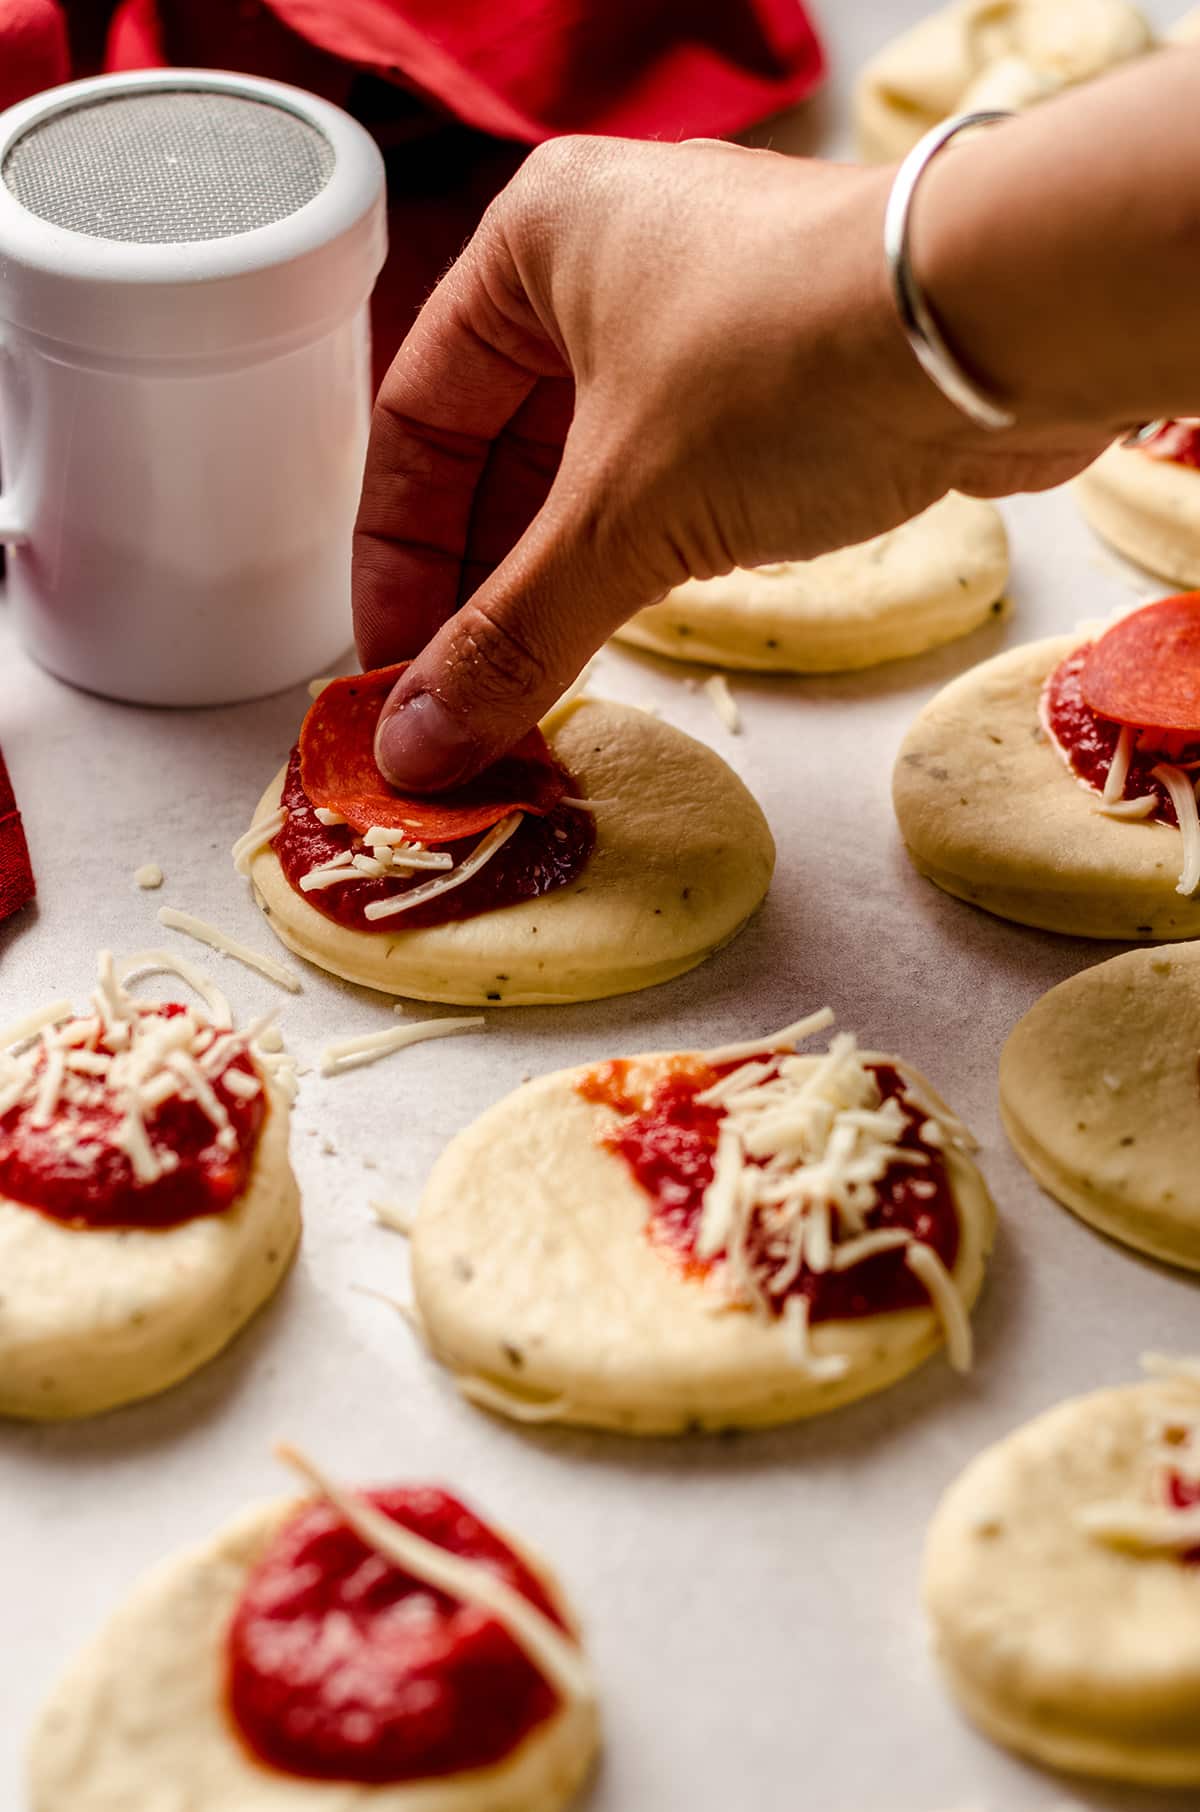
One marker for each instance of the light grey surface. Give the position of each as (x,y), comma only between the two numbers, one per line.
(751,1603)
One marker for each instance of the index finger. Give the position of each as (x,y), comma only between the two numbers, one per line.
(473,356)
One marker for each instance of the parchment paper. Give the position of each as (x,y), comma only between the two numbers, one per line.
(751,1602)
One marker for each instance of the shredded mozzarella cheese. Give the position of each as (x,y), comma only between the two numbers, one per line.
(218,940)
(716,690)
(470,865)
(257,837)
(352,1053)
(1183,798)
(551,1651)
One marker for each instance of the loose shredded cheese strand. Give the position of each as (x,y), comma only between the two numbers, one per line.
(554,1654)
(256,838)
(1183,798)
(33,1023)
(574,690)
(1118,767)
(220,941)
(1144,1528)
(820,1021)
(486,1394)
(587,805)
(49,1086)
(947,1301)
(165,962)
(470,865)
(352,1053)
(392,1215)
(717,692)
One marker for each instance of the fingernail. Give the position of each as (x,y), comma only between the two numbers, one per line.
(423,745)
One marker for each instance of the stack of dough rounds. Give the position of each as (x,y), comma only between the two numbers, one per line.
(683,856)
(138,1723)
(925,583)
(1148,509)
(979,54)
(537,1286)
(1099,1095)
(1077,1653)
(991,813)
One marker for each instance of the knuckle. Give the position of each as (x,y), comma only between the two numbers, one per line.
(495,658)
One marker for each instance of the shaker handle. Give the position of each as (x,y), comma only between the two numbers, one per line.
(12,531)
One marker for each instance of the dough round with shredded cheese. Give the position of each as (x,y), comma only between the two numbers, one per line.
(94,1317)
(979,54)
(1078,1653)
(991,813)
(1098,1092)
(683,856)
(142,1710)
(919,585)
(1148,509)
(537,1287)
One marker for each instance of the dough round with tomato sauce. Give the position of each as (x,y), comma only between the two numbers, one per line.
(922,584)
(991,814)
(977,54)
(95,1317)
(533,1275)
(142,1710)
(1077,1654)
(683,856)
(1148,509)
(1100,1096)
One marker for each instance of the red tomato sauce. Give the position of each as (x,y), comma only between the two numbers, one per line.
(1178,442)
(74,1171)
(669,1143)
(542,855)
(1088,742)
(341,1666)
(1184,1494)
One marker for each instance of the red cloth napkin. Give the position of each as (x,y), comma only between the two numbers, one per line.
(431,78)
(16,875)
(33,48)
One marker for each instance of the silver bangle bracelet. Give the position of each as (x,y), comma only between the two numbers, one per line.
(922,331)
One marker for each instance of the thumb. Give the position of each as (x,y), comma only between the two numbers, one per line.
(499,664)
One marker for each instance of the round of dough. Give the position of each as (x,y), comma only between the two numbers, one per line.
(683,856)
(535,1281)
(1148,509)
(991,813)
(1187,29)
(1099,1095)
(987,53)
(93,1317)
(1073,1652)
(919,585)
(141,1710)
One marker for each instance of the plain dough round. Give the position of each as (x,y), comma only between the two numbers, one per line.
(991,813)
(987,53)
(140,1712)
(532,1271)
(683,856)
(90,1319)
(1098,1093)
(1071,1652)
(1148,509)
(919,585)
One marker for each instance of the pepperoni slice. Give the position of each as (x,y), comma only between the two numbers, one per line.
(1145,670)
(338,771)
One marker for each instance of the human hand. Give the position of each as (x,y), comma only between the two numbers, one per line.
(652,362)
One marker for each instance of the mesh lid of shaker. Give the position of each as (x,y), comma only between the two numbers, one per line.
(158,183)
(161,166)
